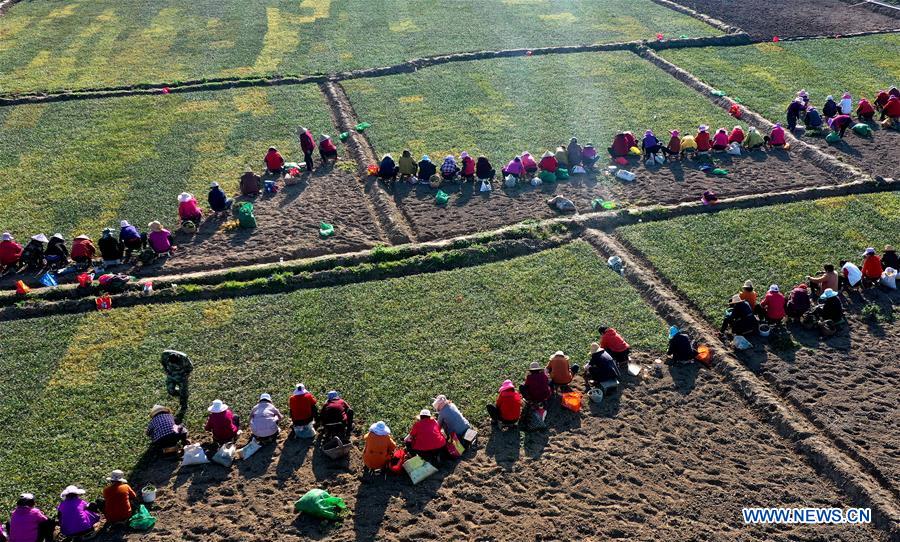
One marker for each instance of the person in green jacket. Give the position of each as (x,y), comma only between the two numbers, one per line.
(408,166)
(754,139)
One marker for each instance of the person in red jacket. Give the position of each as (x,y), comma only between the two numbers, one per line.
(892,110)
(736,136)
(864,110)
(10,252)
(508,407)
(222,422)
(307,145)
(303,406)
(622,143)
(674,145)
(774,303)
(425,437)
(881,99)
(327,150)
(704,142)
(548,162)
(871,267)
(83,250)
(467,167)
(612,342)
(274,161)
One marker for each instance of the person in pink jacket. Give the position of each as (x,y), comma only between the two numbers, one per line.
(720,140)
(528,163)
(776,136)
(159,238)
(189,209)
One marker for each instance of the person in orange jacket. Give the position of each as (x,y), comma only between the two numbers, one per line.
(561,373)
(508,407)
(379,446)
(871,267)
(612,342)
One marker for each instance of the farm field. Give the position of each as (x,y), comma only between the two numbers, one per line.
(99,161)
(109,43)
(389,346)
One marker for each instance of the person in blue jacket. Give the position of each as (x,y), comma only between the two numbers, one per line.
(218,201)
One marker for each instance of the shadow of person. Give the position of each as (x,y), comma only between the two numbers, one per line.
(684,377)
(293,456)
(504,447)
(258,463)
(290,193)
(323,467)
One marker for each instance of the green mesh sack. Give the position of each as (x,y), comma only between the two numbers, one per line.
(547,177)
(441,197)
(862,129)
(319,503)
(562,174)
(833,137)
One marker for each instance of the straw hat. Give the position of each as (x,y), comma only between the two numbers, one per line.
(71,490)
(559,354)
(265,397)
(380,428)
(735,299)
(117,476)
(828,294)
(889,248)
(214,184)
(748,284)
(26,496)
(40,238)
(6,236)
(217,406)
(439,402)
(703,128)
(82,236)
(546,154)
(183,197)
(324,137)
(58,235)
(159,409)
(507,385)
(424,413)
(534,366)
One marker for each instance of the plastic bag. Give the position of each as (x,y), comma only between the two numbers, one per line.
(833,137)
(418,469)
(47,279)
(84,280)
(547,177)
(246,218)
(719,171)
(452,449)
(21,288)
(397,461)
(251,448)
(578,170)
(372,170)
(889,278)
(326,229)
(625,175)
(660,159)
(344,136)
(734,149)
(562,174)
(536,181)
(320,504)
(305,431)
(142,520)
(361,127)
(511,181)
(741,343)
(572,400)
(485,186)
(194,455)
(634,151)
(225,455)
(862,129)
(441,197)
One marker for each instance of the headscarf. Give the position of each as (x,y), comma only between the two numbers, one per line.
(380,428)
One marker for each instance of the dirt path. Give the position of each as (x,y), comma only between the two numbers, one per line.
(876,155)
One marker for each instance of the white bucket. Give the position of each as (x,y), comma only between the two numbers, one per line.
(764,330)
(148,494)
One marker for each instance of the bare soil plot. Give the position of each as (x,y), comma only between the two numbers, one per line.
(876,155)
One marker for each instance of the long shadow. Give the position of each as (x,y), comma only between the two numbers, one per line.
(323,467)
(291,193)
(258,463)
(293,455)
(504,447)
(684,377)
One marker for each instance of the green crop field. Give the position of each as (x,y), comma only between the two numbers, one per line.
(108,42)
(505,106)
(75,167)
(709,257)
(77,388)
(767,76)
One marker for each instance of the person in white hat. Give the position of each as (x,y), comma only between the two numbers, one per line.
(425,438)
(10,252)
(871,267)
(379,446)
(303,406)
(222,422)
(829,309)
(75,518)
(131,239)
(57,254)
(83,250)
(560,371)
(774,305)
(119,498)
(264,420)
(32,257)
(28,523)
(449,417)
(189,209)
(327,149)
(218,201)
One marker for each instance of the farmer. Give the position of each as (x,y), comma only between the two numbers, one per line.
(674,146)
(574,152)
(303,408)
(467,166)
(307,145)
(379,446)
(864,111)
(830,108)
(425,438)
(264,418)
(562,157)
(529,164)
(828,278)
(218,201)
(483,169)
(162,429)
(622,143)
(754,139)
(75,519)
(850,275)
(57,255)
(189,209)
(336,411)
(681,348)
(881,99)
(794,110)
(612,342)
(740,318)
(830,308)
(776,137)
(774,304)
(407,166)
(10,252)
(704,142)
(736,135)
(839,124)
(449,418)
(813,120)
(889,258)
(250,183)
(589,156)
(222,423)
(33,255)
(688,143)
(548,162)
(388,169)
(28,524)
(83,250)
(426,169)
(893,91)
(273,161)
(514,168)
(160,239)
(449,169)
(559,370)
(798,302)
(892,110)
(536,389)
(748,294)
(118,498)
(327,149)
(871,268)
(650,145)
(600,368)
(111,249)
(846,104)
(508,407)
(720,140)
(177,366)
